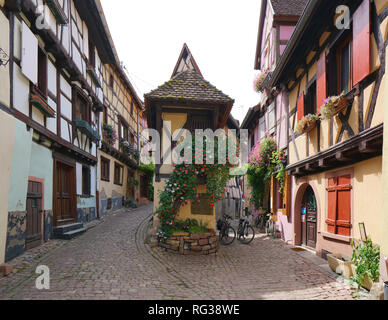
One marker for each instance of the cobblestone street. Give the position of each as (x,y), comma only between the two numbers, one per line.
(111,261)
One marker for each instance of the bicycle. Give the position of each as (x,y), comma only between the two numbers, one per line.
(270,227)
(245,232)
(261,221)
(227,233)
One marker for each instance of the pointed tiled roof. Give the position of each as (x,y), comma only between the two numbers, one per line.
(288,7)
(189,86)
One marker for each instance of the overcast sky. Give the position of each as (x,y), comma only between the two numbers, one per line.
(221,35)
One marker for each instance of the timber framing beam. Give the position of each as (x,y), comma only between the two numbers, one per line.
(366,145)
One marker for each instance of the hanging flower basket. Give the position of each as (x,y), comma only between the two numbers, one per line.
(333,106)
(307,124)
(259,81)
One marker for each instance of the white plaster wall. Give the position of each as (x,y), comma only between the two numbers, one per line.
(21,91)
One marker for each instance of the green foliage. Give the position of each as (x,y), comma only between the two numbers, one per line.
(149,169)
(181,187)
(366,258)
(265,162)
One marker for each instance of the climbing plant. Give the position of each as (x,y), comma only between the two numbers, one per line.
(265,161)
(182,186)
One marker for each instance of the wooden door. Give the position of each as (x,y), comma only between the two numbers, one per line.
(34,215)
(309,223)
(64,195)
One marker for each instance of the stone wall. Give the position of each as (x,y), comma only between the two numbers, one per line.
(192,244)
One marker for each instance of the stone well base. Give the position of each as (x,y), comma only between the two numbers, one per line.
(192,244)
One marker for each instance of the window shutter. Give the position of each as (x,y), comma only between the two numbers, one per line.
(79,178)
(321,81)
(301,106)
(273,195)
(339,206)
(29,61)
(361,42)
(332,206)
(287,195)
(343,206)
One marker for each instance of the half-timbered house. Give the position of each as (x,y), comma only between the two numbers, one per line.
(6,126)
(269,118)
(335,161)
(186,101)
(62,61)
(121,183)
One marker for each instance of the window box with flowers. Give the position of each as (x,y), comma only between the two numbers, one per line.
(306,124)
(333,105)
(109,134)
(259,81)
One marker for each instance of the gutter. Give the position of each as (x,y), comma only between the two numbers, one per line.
(295,39)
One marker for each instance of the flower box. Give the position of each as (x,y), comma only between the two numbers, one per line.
(86,129)
(333,106)
(307,124)
(37,101)
(57,11)
(367,283)
(90,70)
(341,264)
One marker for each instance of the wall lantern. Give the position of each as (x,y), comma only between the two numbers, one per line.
(4,59)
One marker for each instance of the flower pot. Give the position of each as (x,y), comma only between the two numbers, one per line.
(341,105)
(367,283)
(340,264)
(386,290)
(310,125)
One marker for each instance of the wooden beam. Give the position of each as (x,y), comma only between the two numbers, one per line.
(322,163)
(365,147)
(341,157)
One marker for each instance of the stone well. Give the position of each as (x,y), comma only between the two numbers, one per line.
(192,244)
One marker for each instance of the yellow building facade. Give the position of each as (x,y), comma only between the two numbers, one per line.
(336,161)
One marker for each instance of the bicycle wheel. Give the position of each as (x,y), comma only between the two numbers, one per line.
(227,236)
(248,235)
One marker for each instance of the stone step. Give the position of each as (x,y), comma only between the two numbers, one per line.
(71,234)
(67,228)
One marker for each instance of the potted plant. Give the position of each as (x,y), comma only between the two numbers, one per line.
(259,81)
(333,105)
(340,264)
(366,259)
(306,124)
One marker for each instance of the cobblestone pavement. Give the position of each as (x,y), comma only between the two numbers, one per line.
(111,261)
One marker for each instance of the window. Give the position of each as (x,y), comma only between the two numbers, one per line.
(271,117)
(132,139)
(111,81)
(344,66)
(131,107)
(123,130)
(86,186)
(339,65)
(105,115)
(42,72)
(311,100)
(82,107)
(118,177)
(92,55)
(105,169)
(339,205)
(262,128)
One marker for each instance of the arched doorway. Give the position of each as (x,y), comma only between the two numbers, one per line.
(309,218)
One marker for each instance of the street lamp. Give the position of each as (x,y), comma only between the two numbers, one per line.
(4,59)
